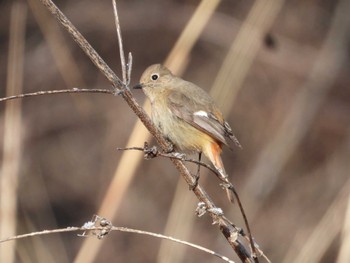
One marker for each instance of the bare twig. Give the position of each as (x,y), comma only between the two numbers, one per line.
(104,227)
(50,92)
(254,246)
(47,232)
(129,68)
(152,152)
(224,225)
(120,43)
(119,87)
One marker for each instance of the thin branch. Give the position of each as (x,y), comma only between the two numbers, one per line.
(50,92)
(129,68)
(106,70)
(104,230)
(118,85)
(253,245)
(120,42)
(224,225)
(179,241)
(152,152)
(47,232)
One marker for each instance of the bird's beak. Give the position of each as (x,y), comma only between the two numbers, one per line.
(137,86)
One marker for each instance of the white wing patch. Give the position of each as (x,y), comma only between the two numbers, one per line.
(201,113)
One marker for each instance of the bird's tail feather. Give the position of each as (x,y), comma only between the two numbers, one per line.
(213,154)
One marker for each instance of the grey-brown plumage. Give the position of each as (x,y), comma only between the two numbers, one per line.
(186,114)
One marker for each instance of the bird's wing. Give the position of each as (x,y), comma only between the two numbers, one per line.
(196,114)
(230,134)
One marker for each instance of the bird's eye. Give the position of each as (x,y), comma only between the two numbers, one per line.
(154,76)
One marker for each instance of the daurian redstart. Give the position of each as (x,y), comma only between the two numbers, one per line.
(186,115)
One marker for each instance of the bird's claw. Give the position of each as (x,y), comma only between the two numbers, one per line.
(150,152)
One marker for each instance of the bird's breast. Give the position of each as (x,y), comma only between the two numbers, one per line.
(184,136)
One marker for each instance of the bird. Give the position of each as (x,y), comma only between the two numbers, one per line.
(187,116)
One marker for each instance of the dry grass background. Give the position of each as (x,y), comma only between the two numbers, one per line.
(290,110)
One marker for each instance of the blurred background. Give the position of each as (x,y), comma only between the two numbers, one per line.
(279,70)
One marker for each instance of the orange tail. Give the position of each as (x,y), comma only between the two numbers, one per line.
(212,151)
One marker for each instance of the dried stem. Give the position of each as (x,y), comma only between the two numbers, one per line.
(50,92)
(129,67)
(120,42)
(152,152)
(225,226)
(100,231)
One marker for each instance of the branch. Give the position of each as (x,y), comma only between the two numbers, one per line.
(129,67)
(50,92)
(152,152)
(101,227)
(120,43)
(224,225)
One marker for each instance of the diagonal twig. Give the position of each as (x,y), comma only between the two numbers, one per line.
(224,225)
(152,152)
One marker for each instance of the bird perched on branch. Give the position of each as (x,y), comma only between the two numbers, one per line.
(187,116)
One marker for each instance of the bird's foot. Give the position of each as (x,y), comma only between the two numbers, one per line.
(150,152)
(194,184)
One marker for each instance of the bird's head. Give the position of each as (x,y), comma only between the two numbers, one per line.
(155,80)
